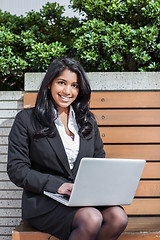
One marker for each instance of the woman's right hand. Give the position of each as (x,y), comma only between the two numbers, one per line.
(65,189)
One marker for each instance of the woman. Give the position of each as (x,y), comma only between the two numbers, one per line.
(46,144)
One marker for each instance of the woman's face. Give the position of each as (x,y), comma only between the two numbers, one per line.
(65,89)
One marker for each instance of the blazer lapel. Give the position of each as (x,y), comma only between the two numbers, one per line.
(84,145)
(57,146)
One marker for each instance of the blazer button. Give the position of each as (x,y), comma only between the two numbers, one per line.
(70,178)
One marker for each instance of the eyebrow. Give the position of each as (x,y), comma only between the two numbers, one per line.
(62,79)
(65,80)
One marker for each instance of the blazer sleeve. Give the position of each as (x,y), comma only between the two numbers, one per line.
(19,166)
(98,143)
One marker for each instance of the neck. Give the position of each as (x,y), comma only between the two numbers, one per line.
(63,115)
(63,111)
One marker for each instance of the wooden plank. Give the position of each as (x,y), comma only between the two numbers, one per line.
(143,224)
(151,170)
(125,100)
(45,236)
(29,100)
(148,152)
(130,134)
(32,235)
(128,117)
(139,236)
(148,206)
(148,189)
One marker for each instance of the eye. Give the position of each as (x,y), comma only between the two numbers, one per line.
(61,82)
(75,85)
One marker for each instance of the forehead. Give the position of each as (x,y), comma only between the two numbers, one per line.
(68,75)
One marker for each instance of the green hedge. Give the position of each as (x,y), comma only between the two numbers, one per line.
(111,36)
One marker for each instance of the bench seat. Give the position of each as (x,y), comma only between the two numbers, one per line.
(146,229)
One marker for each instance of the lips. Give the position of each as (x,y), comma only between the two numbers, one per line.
(65,98)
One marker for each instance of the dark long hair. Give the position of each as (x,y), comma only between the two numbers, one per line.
(45,106)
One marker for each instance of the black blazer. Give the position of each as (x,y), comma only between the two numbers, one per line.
(41,164)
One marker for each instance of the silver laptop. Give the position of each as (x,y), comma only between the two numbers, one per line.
(103,182)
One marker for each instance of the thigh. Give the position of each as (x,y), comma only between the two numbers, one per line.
(57,222)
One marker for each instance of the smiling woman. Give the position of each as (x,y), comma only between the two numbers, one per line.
(46,145)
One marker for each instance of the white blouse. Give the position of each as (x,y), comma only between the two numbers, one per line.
(71,145)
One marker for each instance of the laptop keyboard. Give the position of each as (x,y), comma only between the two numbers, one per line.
(65,197)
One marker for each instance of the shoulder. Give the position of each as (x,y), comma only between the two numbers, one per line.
(25,114)
(24,118)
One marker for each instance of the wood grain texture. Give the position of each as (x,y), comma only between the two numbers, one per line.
(130,134)
(141,117)
(32,235)
(139,236)
(148,189)
(143,206)
(29,100)
(143,224)
(125,99)
(148,152)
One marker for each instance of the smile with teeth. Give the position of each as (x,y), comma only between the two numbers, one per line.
(65,98)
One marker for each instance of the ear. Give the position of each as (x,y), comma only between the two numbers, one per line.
(49,86)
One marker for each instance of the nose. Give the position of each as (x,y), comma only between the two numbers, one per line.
(67,89)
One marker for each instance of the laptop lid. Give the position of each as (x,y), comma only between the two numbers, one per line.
(106,181)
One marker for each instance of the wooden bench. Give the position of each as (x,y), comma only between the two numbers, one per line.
(129,124)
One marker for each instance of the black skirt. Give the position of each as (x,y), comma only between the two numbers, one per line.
(57,222)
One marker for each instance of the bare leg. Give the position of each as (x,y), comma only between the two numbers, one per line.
(114,223)
(86,224)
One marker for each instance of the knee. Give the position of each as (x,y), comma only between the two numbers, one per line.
(122,219)
(118,219)
(89,220)
(95,219)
